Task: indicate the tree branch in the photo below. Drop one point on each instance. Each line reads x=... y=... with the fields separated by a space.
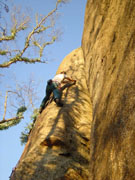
x=35 y=30
x=5 y=124
x=14 y=32
x=20 y=59
x=11 y=119
x=40 y=27
x=5 y=105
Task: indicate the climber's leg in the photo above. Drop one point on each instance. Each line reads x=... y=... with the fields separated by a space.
x=57 y=97
x=44 y=101
x=58 y=102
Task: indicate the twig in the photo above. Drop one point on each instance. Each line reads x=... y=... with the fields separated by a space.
x=5 y=105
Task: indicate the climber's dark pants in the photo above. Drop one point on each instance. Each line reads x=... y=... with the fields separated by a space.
x=44 y=101
x=58 y=102
x=58 y=93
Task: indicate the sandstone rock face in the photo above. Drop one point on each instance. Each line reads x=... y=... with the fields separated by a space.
x=58 y=146
x=104 y=67
x=108 y=45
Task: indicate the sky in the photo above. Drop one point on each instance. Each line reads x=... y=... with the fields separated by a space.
x=71 y=21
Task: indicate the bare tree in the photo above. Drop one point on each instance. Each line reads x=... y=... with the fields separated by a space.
x=43 y=24
x=17 y=101
x=39 y=37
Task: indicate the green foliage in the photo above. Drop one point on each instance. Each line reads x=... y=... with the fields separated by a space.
x=14 y=121
x=3 y=53
x=21 y=110
x=35 y=114
x=8 y=124
x=54 y=38
x=25 y=134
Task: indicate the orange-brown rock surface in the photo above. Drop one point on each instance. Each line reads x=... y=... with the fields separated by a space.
x=80 y=141
x=58 y=146
x=109 y=51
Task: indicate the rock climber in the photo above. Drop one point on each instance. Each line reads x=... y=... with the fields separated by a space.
x=54 y=85
x=62 y=78
x=50 y=87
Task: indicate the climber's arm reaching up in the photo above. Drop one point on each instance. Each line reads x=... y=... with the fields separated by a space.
x=67 y=79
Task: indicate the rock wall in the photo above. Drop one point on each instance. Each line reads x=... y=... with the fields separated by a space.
x=58 y=146
x=108 y=45
x=81 y=141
